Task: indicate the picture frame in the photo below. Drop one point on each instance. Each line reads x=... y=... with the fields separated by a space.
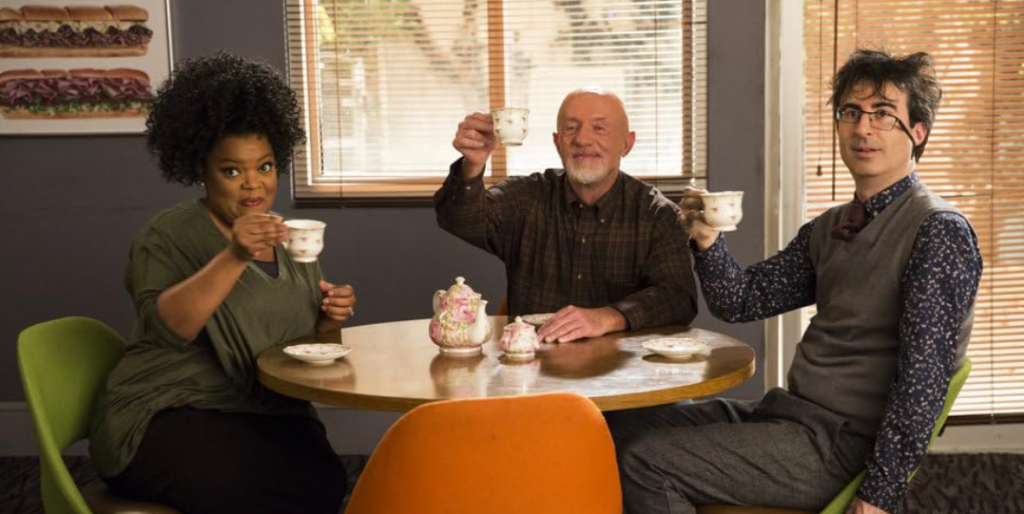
x=81 y=67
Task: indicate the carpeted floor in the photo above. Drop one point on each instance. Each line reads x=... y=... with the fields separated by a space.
x=19 y=480
x=986 y=483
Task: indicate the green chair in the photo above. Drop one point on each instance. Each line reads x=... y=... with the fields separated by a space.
x=839 y=504
x=63 y=364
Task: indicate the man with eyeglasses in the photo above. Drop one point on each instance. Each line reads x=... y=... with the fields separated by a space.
x=893 y=275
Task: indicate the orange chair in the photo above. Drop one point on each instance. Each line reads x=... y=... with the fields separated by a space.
x=542 y=453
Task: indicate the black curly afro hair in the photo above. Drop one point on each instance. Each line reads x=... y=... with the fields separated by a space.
x=208 y=98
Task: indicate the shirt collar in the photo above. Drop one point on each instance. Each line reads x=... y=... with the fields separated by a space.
x=876 y=204
x=606 y=205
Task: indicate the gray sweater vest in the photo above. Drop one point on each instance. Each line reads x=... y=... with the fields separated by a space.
x=847 y=359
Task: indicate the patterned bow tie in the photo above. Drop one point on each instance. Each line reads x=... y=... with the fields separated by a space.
x=854 y=222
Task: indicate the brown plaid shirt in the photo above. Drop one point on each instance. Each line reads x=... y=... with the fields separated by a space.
x=627 y=251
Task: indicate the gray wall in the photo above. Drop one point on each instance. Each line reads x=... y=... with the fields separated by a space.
x=73 y=204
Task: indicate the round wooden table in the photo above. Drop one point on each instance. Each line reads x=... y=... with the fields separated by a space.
x=395 y=366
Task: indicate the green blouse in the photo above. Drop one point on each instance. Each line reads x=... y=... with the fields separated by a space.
x=160 y=370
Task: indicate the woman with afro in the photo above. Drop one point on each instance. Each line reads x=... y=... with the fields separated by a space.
x=183 y=420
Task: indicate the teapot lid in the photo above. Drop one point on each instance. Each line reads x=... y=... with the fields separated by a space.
x=519 y=324
x=460 y=289
x=519 y=321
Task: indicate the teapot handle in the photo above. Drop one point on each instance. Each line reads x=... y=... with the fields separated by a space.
x=437 y=300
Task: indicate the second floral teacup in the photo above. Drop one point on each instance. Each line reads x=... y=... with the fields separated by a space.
x=724 y=210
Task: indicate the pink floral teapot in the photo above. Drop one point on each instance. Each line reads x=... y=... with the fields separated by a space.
x=519 y=340
x=460 y=324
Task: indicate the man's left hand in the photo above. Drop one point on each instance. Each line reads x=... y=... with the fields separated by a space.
x=859 y=506
x=572 y=323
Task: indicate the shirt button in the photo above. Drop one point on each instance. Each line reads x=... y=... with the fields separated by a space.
x=584 y=240
x=579 y=276
x=468 y=188
x=602 y=220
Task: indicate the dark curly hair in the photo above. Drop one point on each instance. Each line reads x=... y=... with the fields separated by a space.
x=208 y=98
x=912 y=74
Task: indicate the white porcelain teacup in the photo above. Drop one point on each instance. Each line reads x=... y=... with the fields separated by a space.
x=305 y=239
x=510 y=125
x=723 y=210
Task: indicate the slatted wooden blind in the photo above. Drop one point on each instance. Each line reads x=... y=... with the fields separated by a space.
x=974 y=158
x=384 y=84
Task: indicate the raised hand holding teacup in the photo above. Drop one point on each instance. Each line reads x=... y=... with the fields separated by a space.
x=705 y=214
x=253 y=235
x=475 y=140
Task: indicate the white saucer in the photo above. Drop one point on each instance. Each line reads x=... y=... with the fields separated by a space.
x=675 y=347
x=538 y=319
x=520 y=356
x=462 y=350
x=320 y=354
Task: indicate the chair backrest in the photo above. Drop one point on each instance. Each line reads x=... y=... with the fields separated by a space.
x=540 y=453
x=840 y=502
x=63 y=364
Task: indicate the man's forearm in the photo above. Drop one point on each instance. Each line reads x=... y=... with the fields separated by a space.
x=663 y=304
x=460 y=207
x=779 y=284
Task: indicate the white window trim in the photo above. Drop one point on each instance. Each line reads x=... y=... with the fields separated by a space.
x=784 y=178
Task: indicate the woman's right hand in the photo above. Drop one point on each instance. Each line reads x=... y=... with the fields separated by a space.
x=253 y=234
x=474 y=139
x=691 y=218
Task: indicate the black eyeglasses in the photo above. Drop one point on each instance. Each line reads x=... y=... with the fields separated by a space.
x=880 y=120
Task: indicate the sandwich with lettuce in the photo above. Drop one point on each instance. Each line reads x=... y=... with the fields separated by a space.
x=30 y=94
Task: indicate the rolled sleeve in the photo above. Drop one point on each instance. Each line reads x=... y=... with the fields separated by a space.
x=151 y=270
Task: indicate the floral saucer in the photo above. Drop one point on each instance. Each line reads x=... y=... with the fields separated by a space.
x=320 y=354
x=675 y=347
x=538 y=319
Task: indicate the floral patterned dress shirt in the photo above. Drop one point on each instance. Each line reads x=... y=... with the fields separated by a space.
x=939 y=286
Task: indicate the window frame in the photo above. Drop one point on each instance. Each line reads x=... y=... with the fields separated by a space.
x=308 y=191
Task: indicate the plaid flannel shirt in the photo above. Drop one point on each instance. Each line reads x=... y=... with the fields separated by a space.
x=626 y=251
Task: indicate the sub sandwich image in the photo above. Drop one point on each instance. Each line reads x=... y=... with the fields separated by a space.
x=74 y=31
x=80 y=93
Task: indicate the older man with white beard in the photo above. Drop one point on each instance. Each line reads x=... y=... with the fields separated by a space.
x=593 y=245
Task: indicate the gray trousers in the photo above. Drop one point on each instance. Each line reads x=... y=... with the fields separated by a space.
x=780 y=452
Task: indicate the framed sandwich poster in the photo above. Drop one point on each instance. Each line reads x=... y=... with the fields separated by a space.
x=81 y=66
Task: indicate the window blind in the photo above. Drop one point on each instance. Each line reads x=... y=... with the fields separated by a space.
x=974 y=157
x=384 y=84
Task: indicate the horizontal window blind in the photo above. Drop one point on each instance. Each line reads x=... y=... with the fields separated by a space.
x=974 y=157
x=384 y=84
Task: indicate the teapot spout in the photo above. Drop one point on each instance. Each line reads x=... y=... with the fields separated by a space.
x=480 y=331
